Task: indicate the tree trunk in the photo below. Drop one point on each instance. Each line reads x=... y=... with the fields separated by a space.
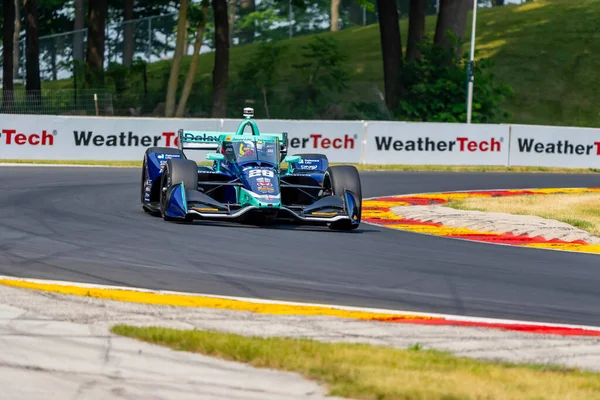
x=95 y=42
x=452 y=17
x=16 y=41
x=221 y=67
x=416 y=28
x=53 y=66
x=79 y=25
x=33 y=83
x=247 y=35
x=128 y=39
x=191 y=75
x=174 y=76
x=335 y=15
x=391 y=48
x=231 y=14
x=8 y=30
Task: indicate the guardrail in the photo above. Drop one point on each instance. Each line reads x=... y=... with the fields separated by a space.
x=357 y=142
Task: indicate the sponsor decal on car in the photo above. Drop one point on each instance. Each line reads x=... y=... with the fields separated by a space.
x=202 y=138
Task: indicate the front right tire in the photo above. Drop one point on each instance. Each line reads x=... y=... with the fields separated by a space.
x=338 y=179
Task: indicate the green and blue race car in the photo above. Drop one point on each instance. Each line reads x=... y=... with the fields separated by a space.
x=246 y=181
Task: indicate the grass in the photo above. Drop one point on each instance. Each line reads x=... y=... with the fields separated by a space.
x=580 y=210
x=372 y=372
x=361 y=167
x=547 y=50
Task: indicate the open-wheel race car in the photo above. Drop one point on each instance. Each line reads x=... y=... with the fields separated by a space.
x=246 y=181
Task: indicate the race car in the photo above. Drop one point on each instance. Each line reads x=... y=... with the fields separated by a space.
x=246 y=181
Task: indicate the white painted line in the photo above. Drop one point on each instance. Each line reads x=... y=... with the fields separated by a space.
x=449 y=317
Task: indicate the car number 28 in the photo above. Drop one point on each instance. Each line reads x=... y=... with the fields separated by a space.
x=261 y=172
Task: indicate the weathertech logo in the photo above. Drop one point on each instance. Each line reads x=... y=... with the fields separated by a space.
x=461 y=144
x=11 y=137
x=558 y=147
x=317 y=141
x=89 y=138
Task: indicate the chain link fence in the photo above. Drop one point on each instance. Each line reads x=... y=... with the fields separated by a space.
x=137 y=42
x=57 y=102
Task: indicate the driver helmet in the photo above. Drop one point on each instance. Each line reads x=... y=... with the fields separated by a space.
x=247 y=148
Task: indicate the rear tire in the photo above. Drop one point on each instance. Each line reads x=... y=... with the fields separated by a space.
x=176 y=171
x=341 y=178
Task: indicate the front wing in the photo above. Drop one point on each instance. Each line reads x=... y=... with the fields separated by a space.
x=187 y=205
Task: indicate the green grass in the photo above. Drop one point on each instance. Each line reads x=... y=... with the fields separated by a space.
x=361 y=167
x=374 y=372
x=548 y=51
x=581 y=210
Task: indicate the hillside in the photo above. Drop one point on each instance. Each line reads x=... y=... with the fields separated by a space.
x=548 y=51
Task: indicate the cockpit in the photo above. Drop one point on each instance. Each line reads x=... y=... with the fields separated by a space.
x=251 y=150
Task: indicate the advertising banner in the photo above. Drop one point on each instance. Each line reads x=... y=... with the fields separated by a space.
x=91 y=138
x=545 y=146
x=33 y=137
x=436 y=144
x=340 y=141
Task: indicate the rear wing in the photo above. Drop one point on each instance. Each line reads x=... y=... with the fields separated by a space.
x=209 y=140
x=198 y=140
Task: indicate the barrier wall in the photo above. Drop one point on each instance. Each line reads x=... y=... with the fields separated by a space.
x=104 y=138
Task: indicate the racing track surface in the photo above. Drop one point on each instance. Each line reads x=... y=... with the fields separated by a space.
x=86 y=225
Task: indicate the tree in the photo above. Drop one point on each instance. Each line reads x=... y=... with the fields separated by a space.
x=416 y=28
x=78 y=26
x=33 y=83
x=391 y=47
x=179 y=44
x=335 y=15
x=221 y=66
x=128 y=38
x=97 y=12
x=232 y=11
x=191 y=75
x=16 y=39
x=246 y=33
x=8 y=28
x=453 y=18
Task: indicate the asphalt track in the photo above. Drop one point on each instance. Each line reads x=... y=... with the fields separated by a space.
x=86 y=225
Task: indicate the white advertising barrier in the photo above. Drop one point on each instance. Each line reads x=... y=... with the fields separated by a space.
x=436 y=144
x=548 y=146
x=340 y=141
x=92 y=138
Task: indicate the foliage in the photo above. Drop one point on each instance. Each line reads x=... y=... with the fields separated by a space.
x=435 y=88
x=259 y=76
x=322 y=73
x=127 y=82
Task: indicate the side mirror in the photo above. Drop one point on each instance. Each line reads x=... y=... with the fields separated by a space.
x=292 y=159
x=215 y=156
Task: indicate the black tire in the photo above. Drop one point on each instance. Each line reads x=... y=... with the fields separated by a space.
x=176 y=171
x=340 y=178
x=164 y=150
